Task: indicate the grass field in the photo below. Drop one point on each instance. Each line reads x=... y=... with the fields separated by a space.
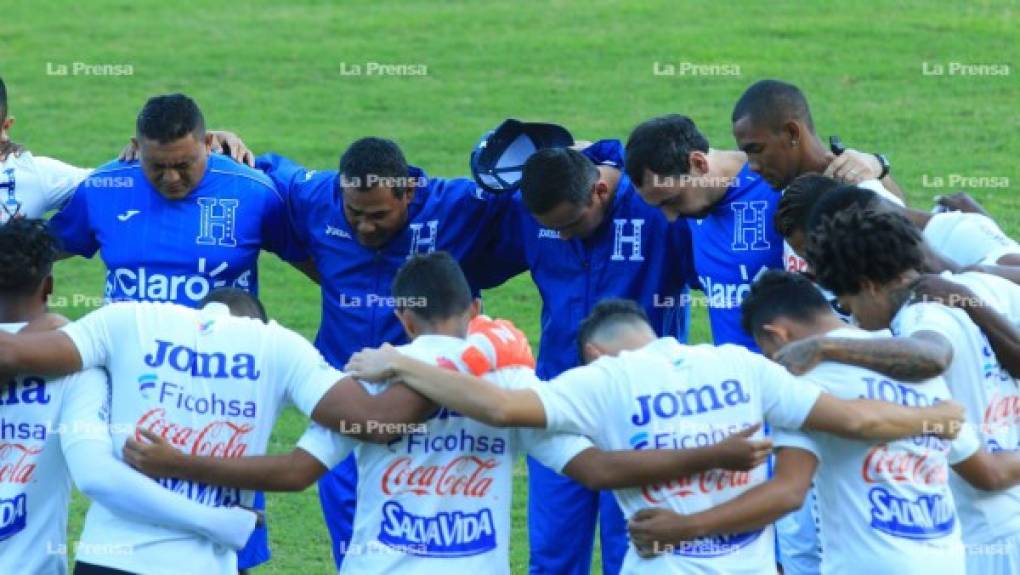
x=279 y=73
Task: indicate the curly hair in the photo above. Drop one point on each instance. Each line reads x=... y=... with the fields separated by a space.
x=27 y=253
x=857 y=245
x=798 y=200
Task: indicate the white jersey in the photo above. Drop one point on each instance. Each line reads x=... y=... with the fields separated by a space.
x=1001 y=294
x=992 y=403
x=40 y=418
x=968 y=238
x=437 y=500
x=31 y=185
x=888 y=506
x=211 y=384
x=671 y=396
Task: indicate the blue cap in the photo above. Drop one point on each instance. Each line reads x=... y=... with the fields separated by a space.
x=498 y=159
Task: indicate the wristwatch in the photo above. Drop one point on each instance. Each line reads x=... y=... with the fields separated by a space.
x=884 y=162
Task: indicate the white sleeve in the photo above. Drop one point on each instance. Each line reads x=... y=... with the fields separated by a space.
x=306 y=375
x=920 y=317
x=786 y=400
x=59 y=180
x=877 y=187
x=581 y=399
x=93 y=334
x=88 y=450
x=328 y=447
x=966 y=444
x=799 y=439
x=553 y=450
x=967 y=239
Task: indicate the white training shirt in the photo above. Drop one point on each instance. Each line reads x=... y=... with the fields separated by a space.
x=211 y=384
x=1001 y=294
x=968 y=239
x=437 y=500
x=992 y=403
x=888 y=507
x=671 y=396
x=31 y=185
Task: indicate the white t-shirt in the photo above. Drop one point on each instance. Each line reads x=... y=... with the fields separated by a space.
x=968 y=239
x=211 y=384
x=39 y=419
x=992 y=402
x=437 y=500
x=888 y=506
x=31 y=185
x=999 y=293
x=671 y=396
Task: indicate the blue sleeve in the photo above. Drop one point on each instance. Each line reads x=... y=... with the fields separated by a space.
x=288 y=177
x=73 y=227
x=279 y=234
x=501 y=253
x=683 y=253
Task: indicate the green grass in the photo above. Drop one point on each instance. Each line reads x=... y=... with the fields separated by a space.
x=271 y=71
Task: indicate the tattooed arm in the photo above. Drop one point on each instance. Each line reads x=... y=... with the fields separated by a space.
x=921 y=356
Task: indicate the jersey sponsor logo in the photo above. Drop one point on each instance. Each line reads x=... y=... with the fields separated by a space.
x=1002 y=414
x=27 y=390
x=217 y=222
x=128 y=215
x=463 y=476
x=925 y=517
x=215 y=365
x=145 y=284
x=13 y=516
x=893 y=464
x=336 y=232
x=716 y=545
x=211 y=495
x=218 y=438
x=706 y=483
x=459 y=442
x=993 y=372
x=11 y=205
x=22 y=430
x=688 y=402
x=722 y=295
x=446 y=534
x=749 y=223
x=16 y=462
x=175 y=395
x=422 y=243
x=892 y=392
x=546 y=233
x=621 y=238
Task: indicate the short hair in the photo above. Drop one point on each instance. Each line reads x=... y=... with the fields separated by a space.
x=3 y=99
x=799 y=199
x=169 y=118
x=857 y=245
x=772 y=103
x=552 y=176
x=778 y=293
x=369 y=162
x=838 y=200
x=662 y=146
x=27 y=252
x=241 y=303
x=609 y=314
x=432 y=286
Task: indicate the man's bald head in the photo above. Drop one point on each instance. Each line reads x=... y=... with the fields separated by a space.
x=771 y=104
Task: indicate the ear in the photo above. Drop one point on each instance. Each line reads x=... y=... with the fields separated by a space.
x=409 y=194
x=208 y=141
x=476 y=308
x=775 y=334
x=406 y=318
x=601 y=191
x=591 y=353
x=793 y=132
x=698 y=162
x=8 y=122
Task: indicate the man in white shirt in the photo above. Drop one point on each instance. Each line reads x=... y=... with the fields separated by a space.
x=437 y=497
x=887 y=507
x=53 y=430
x=871 y=260
x=663 y=395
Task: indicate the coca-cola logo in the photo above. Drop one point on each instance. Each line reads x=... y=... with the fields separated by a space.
x=16 y=464
x=891 y=465
x=463 y=476
x=1003 y=411
x=712 y=481
x=219 y=438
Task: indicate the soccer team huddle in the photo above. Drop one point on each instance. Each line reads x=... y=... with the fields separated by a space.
x=858 y=411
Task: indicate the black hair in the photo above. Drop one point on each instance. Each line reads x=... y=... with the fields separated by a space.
x=169 y=118
x=432 y=286
x=662 y=146
x=838 y=200
x=27 y=253
x=241 y=303
x=552 y=176
x=778 y=293
x=606 y=314
x=772 y=103
x=856 y=245
x=3 y=100
x=371 y=162
x=798 y=200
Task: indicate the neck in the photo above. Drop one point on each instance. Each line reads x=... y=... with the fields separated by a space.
x=450 y=327
x=19 y=310
x=611 y=176
x=725 y=166
x=901 y=290
x=816 y=156
x=917 y=217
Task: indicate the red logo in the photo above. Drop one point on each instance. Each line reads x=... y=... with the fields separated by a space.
x=712 y=481
x=464 y=476
x=216 y=439
x=15 y=462
x=884 y=466
x=1002 y=412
